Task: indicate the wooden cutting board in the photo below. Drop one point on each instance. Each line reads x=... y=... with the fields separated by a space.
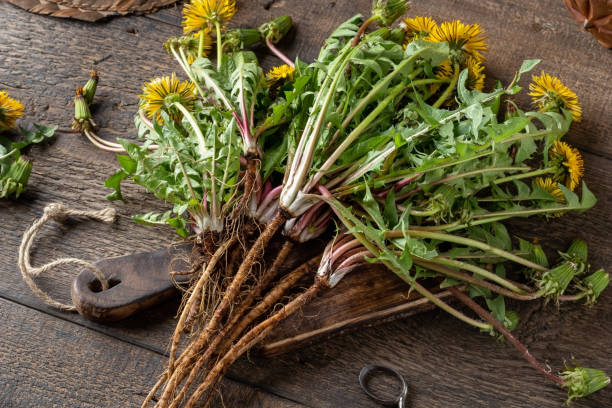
x=367 y=296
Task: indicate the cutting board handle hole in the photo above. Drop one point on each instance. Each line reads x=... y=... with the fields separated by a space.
x=95 y=285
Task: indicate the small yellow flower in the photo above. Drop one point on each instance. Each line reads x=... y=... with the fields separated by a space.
x=10 y=110
x=162 y=92
x=463 y=40
x=418 y=28
x=549 y=93
x=198 y=14
x=280 y=73
x=569 y=163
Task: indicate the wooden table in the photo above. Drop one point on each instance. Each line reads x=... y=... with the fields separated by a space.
x=54 y=359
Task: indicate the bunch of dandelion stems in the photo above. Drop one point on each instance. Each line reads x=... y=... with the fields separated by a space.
x=294 y=199
x=257 y=248
x=237 y=324
x=369 y=245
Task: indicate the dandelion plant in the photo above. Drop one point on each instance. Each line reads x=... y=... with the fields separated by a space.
x=391 y=136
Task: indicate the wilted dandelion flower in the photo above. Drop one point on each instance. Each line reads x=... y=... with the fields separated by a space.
x=549 y=93
x=463 y=40
x=162 y=92
x=569 y=163
x=10 y=110
x=418 y=28
x=198 y=14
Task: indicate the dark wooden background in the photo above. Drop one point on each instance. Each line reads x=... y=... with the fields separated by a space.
x=49 y=358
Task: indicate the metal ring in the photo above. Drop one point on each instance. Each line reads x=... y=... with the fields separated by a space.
x=363 y=381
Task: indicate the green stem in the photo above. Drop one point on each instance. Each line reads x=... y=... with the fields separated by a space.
x=427 y=81
x=434 y=266
x=450 y=89
x=508 y=214
x=503 y=215
x=473 y=173
x=219 y=45
x=8 y=154
x=201 y=42
x=572 y=298
x=465 y=241
x=358 y=131
x=453 y=263
x=547 y=170
x=423 y=213
x=182 y=60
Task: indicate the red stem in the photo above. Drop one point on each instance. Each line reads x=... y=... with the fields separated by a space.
x=279 y=54
x=509 y=336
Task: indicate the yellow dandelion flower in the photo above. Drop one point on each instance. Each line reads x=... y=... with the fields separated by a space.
x=280 y=73
x=549 y=93
x=418 y=28
x=10 y=110
x=550 y=186
x=162 y=92
x=475 y=79
x=464 y=40
x=198 y=14
x=569 y=163
x=444 y=70
x=475 y=75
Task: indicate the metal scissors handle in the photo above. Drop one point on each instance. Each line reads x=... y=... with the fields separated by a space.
x=366 y=374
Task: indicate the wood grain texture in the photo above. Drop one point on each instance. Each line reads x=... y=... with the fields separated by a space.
x=49 y=362
x=446 y=363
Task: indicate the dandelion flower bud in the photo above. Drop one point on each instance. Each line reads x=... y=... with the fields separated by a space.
x=276 y=29
x=581 y=381
x=387 y=11
x=91 y=85
x=594 y=284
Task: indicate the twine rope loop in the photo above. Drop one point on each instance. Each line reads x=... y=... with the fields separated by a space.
x=59 y=213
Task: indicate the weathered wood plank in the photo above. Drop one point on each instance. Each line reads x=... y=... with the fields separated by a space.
x=446 y=363
x=49 y=362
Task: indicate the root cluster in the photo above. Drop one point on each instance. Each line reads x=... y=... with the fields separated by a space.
x=231 y=305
